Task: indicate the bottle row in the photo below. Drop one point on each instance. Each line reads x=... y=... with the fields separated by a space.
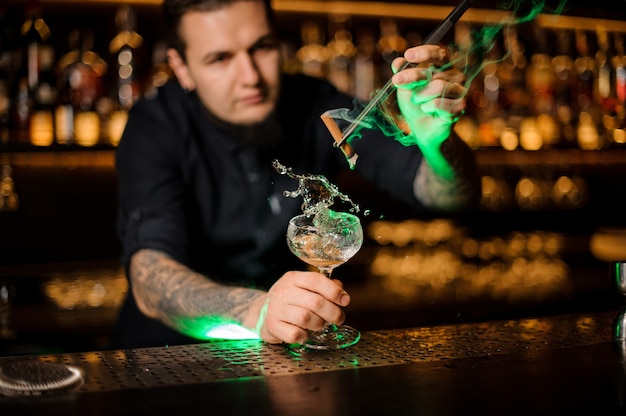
x=569 y=91
x=80 y=96
x=527 y=86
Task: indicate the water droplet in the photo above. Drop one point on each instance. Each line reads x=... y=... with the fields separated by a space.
x=316 y=191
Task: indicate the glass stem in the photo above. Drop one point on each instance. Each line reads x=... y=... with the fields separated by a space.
x=328 y=327
x=326 y=271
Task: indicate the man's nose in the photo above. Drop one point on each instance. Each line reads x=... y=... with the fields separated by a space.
x=249 y=70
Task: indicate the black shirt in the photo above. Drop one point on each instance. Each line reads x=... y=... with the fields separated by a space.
x=188 y=189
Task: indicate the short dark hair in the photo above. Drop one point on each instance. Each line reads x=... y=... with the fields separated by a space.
x=175 y=9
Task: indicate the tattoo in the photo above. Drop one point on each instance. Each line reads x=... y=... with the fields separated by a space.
x=173 y=293
x=460 y=192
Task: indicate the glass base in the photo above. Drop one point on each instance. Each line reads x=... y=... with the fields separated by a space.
x=332 y=337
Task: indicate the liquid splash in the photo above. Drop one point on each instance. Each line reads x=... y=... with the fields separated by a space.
x=317 y=192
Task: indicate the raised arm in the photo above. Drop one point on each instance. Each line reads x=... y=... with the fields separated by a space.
x=431 y=97
x=449 y=193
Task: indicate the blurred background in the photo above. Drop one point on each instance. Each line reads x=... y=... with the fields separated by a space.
x=546 y=119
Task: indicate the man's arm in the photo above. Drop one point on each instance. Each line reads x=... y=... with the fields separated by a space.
x=185 y=300
x=461 y=190
x=192 y=304
x=431 y=97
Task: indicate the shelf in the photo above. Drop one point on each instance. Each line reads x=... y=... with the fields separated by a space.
x=554 y=158
x=67 y=158
x=487 y=158
x=398 y=10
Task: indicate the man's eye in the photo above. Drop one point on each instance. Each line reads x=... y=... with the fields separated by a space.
x=219 y=59
x=266 y=44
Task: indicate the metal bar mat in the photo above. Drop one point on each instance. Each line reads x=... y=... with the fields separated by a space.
x=224 y=360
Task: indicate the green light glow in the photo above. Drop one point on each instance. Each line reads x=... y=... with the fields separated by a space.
x=230 y=331
x=214 y=328
x=618 y=330
x=617 y=273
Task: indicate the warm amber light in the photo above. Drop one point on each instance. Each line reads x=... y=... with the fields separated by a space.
x=87 y=128
x=117 y=123
x=509 y=139
x=41 y=129
x=64 y=124
x=588 y=137
x=530 y=138
x=519 y=267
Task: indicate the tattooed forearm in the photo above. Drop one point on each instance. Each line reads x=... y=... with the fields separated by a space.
x=167 y=290
x=460 y=192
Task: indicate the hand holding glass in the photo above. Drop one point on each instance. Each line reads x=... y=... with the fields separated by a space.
x=327 y=241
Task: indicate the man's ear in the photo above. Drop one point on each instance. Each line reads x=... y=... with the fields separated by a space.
x=180 y=69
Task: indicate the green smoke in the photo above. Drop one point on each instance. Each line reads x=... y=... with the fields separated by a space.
x=471 y=60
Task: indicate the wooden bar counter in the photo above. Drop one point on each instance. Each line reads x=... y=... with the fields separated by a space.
x=556 y=365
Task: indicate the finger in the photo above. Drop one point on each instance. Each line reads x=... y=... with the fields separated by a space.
x=307 y=309
x=413 y=77
x=423 y=54
x=286 y=321
x=338 y=282
x=429 y=99
x=313 y=309
x=443 y=89
x=276 y=331
x=444 y=107
x=397 y=63
x=449 y=75
x=435 y=54
x=322 y=285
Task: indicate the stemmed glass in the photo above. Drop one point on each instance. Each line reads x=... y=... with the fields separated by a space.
x=326 y=240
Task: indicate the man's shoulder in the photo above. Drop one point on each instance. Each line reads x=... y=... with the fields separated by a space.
x=312 y=94
x=169 y=103
x=298 y=83
x=158 y=121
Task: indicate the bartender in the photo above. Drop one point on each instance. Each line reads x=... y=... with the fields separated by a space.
x=202 y=216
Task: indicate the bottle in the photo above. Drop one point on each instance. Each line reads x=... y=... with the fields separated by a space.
x=564 y=86
x=515 y=97
x=341 y=51
x=482 y=124
x=619 y=65
x=605 y=81
x=8 y=57
x=68 y=77
x=491 y=119
x=124 y=47
x=35 y=34
x=83 y=69
x=589 y=114
x=540 y=80
x=41 y=123
x=606 y=86
x=313 y=55
x=160 y=72
x=5 y=105
x=9 y=199
x=64 y=111
x=391 y=45
x=365 y=68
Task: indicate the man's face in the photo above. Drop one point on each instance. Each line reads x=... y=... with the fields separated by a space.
x=233 y=61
